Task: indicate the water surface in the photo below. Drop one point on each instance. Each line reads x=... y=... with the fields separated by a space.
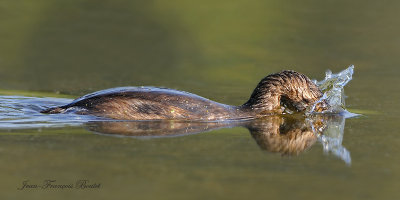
x=219 y=50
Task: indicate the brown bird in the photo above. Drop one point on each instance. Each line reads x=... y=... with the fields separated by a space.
x=275 y=94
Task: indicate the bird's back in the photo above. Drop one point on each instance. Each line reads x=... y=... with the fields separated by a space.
x=148 y=103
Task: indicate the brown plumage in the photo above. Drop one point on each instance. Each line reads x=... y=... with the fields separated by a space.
x=287 y=90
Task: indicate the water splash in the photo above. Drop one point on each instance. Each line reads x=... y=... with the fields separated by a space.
x=333 y=88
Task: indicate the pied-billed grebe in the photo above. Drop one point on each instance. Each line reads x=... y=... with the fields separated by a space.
x=275 y=93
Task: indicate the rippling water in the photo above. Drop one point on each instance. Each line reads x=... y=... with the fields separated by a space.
x=19 y=112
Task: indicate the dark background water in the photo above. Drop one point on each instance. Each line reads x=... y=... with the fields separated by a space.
x=219 y=50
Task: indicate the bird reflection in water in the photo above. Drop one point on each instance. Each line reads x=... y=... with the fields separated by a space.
x=286 y=135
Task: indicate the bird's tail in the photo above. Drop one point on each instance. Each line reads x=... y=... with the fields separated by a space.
x=53 y=110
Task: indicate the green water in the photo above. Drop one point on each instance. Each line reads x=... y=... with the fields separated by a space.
x=216 y=49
